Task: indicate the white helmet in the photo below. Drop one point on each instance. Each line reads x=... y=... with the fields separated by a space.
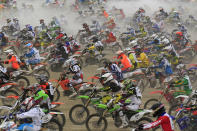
x=180 y=66
x=9 y=51
x=154 y=36
x=106 y=77
x=133 y=43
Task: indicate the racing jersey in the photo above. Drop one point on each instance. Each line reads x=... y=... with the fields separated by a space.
x=164 y=120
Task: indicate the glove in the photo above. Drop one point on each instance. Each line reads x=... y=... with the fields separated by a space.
x=140 y=127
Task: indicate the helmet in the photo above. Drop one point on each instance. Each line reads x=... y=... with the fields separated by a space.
x=106 y=78
x=9 y=51
x=161 y=56
x=168 y=48
x=8 y=20
x=158 y=109
x=85 y=25
x=73 y=62
x=95 y=39
x=42 y=78
x=129 y=85
x=15 y=19
x=154 y=36
x=119 y=52
x=134 y=43
x=94 y=21
x=180 y=66
x=41 y=20
x=160 y=8
x=29 y=45
x=190 y=16
x=34 y=88
x=179 y=24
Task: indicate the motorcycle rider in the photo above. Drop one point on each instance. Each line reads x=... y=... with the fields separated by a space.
x=132 y=58
x=36 y=113
x=43 y=26
x=110 y=37
x=98 y=44
x=166 y=66
x=86 y=30
x=13 y=60
x=16 y=24
x=77 y=78
x=33 y=56
x=39 y=98
x=109 y=83
x=114 y=69
x=3 y=39
x=163 y=14
x=10 y=25
x=30 y=34
x=46 y=86
x=62 y=50
x=131 y=92
x=142 y=58
x=163 y=119
x=184 y=81
x=110 y=24
x=74 y=45
x=124 y=60
x=4 y=76
x=95 y=27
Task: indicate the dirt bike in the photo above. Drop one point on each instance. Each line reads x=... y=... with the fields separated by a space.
x=188 y=100
x=23 y=99
x=91 y=58
x=82 y=88
x=39 y=68
x=113 y=109
x=49 y=124
x=77 y=57
x=81 y=111
x=7 y=90
x=168 y=93
x=188 y=53
x=185 y=119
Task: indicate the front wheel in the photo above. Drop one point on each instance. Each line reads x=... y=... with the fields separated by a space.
x=172 y=110
x=78 y=114
x=116 y=48
x=102 y=62
x=149 y=103
x=22 y=81
x=96 y=123
x=56 y=95
x=53 y=125
x=59 y=117
x=43 y=72
x=9 y=97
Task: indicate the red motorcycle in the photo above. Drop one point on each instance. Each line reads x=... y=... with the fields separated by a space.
x=63 y=82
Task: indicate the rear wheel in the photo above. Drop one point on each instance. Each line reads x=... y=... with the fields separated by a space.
x=56 y=95
x=96 y=123
x=78 y=114
x=53 y=125
x=9 y=100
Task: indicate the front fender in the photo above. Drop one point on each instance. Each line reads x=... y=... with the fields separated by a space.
x=83 y=97
x=156 y=92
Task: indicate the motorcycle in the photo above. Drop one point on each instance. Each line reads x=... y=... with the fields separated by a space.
x=113 y=109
